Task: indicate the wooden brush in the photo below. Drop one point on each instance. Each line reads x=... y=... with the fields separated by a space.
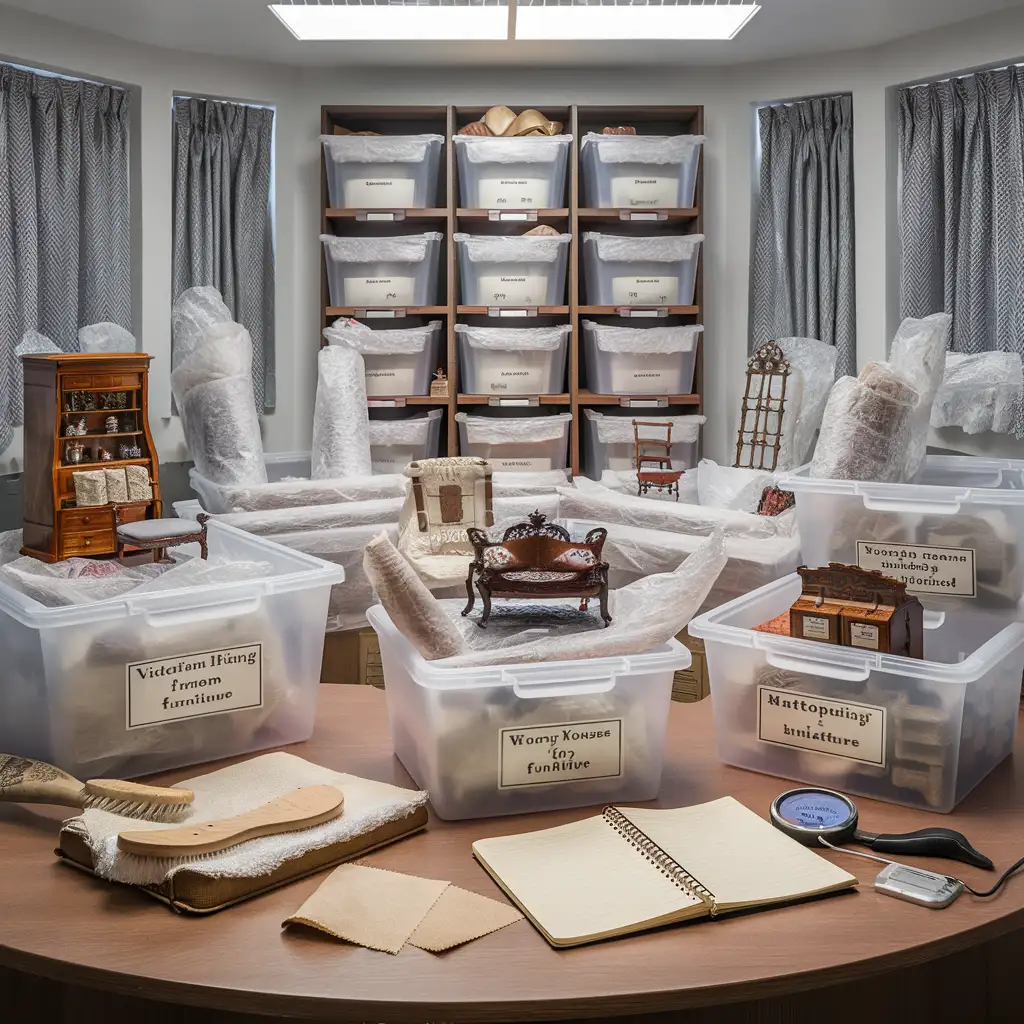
x=25 y=781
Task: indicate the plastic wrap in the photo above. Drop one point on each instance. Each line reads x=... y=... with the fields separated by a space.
x=106 y=337
x=74 y=580
x=193 y=312
x=32 y=343
x=623 y=481
x=515 y=485
x=636 y=249
x=405 y=341
x=341 y=421
x=530 y=149
x=630 y=340
x=393 y=249
x=642 y=149
x=518 y=339
x=511 y=248
x=979 y=392
x=727 y=487
x=514 y=430
x=814 y=365
x=379 y=149
x=411 y=431
x=315 y=517
x=619 y=429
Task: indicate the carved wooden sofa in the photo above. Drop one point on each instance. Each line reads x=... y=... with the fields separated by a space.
x=537 y=559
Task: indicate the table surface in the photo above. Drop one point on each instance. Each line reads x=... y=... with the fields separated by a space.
x=65 y=925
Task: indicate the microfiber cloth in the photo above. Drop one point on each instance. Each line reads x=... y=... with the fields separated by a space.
x=236 y=790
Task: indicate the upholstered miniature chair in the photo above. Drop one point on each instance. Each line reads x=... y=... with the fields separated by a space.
x=158 y=534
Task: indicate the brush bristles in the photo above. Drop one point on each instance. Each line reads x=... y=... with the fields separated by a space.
x=135 y=870
x=147 y=811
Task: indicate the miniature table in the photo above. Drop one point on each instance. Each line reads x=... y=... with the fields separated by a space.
x=75 y=949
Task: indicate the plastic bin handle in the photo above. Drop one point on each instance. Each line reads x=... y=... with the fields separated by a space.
x=532 y=681
x=919 y=507
x=209 y=612
x=791 y=663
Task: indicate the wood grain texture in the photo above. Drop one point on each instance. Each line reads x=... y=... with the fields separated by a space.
x=863 y=948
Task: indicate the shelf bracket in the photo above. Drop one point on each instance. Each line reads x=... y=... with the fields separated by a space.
x=522 y=401
x=530 y=215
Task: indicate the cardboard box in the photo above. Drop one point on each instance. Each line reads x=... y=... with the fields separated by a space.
x=691 y=684
x=352 y=657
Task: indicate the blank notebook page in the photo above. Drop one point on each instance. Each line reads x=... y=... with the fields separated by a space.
x=740 y=857
x=581 y=879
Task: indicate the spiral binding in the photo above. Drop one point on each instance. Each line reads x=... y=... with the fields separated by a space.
x=666 y=864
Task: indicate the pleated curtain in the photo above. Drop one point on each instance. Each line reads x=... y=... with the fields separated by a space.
x=223 y=231
x=65 y=215
x=802 y=276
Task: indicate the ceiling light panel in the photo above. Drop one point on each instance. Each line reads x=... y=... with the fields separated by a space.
x=396 y=20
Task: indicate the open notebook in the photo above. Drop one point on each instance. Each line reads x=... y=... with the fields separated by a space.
x=633 y=868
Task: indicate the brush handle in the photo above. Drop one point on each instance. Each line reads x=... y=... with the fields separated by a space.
x=25 y=781
x=136 y=792
x=302 y=808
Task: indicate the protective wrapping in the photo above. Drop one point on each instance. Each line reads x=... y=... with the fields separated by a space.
x=979 y=392
x=32 y=343
x=405 y=341
x=275 y=522
x=193 y=312
x=511 y=249
x=642 y=149
x=394 y=249
x=74 y=580
x=619 y=429
x=106 y=337
x=633 y=249
x=529 y=149
x=623 y=481
x=341 y=421
x=379 y=149
x=516 y=485
x=813 y=364
x=519 y=339
x=639 y=340
x=514 y=430
x=727 y=487
x=213 y=391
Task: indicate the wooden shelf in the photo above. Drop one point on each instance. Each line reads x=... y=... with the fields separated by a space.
x=109 y=464
x=590 y=398
x=376 y=401
x=523 y=216
x=541 y=399
x=381 y=216
x=640 y=216
x=83 y=437
x=106 y=412
x=485 y=310
x=408 y=310
x=639 y=311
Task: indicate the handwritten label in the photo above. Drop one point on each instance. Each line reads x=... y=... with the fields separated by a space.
x=384 y=376
x=514 y=465
x=193 y=685
x=513 y=289
x=513 y=192
x=648 y=373
x=633 y=191
x=814 y=627
x=842 y=728
x=385 y=190
x=642 y=291
x=925 y=569
x=864 y=635
x=514 y=373
x=562 y=752
x=389 y=459
x=388 y=291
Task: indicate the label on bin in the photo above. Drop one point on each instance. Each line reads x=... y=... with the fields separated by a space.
x=384 y=379
x=513 y=192
x=387 y=291
x=517 y=465
x=842 y=728
x=631 y=192
x=193 y=685
x=374 y=193
x=642 y=291
x=562 y=752
x=925 y=569
x=514 y=289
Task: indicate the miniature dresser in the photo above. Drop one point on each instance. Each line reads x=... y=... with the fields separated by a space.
x=83 y=413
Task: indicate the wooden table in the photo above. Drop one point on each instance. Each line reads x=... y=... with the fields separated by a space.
x=72 y=948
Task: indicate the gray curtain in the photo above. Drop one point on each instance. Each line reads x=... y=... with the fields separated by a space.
x=802 y=276
x=223 y=232
x=65 y=215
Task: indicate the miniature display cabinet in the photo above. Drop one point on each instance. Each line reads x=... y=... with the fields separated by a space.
x=70 y=403
x=654 y=459
x=538 y=559
x=852 y=607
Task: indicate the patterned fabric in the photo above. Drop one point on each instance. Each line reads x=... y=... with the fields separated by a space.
x=65 y=215
x=539 y=576
x=223 y=234
x=499 y=558
x=962 y=208
x=576 y=559
x=802 y=283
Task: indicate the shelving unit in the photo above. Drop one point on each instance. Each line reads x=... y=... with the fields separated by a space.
x=446 y=216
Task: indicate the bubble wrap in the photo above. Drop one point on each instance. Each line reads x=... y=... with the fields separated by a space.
x=406 y=341
x=510 y=430
x=919 y=353
x=619 y=429
x=341 y=421
x=642 y=149
x=383 y=149
x=528 y=149
x=193 y=312
x=813 y=363
x=730 y=488
x=511 y=249
x=865 y=427
x=394 y=249
x=633 y=249
x=32 y=343
x=979 y=392
x=630 y=340
x=518 y=339
x=106 y=337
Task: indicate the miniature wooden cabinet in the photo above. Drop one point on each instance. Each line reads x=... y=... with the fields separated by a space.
x=69 y=400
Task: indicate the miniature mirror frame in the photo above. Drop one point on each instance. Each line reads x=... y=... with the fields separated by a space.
x=759 y=439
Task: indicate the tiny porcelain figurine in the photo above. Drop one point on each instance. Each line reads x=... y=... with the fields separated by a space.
x=111 y=423
x=439 y=385
x=71 y=430
x=106 y=455
x=75 y=453
x=130 y=451
x=83 y=427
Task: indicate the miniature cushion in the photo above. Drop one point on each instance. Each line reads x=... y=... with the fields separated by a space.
x=539 y=576
x=577 y=559
x=501 y=558
x=158 y=529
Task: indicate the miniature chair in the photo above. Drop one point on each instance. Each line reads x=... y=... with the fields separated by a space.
x=655 y=452
x=157 y=535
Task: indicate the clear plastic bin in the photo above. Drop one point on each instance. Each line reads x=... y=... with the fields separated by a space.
x=956 y=537
x=392 y=271
x=395 y=443
x=399 y=362
x=512 y=360
x=516 y=444
x=512 y=271
x=610 y=440
x=112 y=688
x=622 y=270
x=513 y=739
x=369 y=172
x=512 y=174
x=640 y=361
x=921 y=733
x=636 y=172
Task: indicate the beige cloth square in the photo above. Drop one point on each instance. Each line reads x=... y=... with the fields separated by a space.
x=117 y=485
x=139 y=488
x=460 y=916
x=90 y=487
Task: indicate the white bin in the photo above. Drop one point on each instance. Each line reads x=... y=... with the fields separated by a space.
x=922 y=733
x=393 y=271
x=91 y=688
x=514 y=271
x=474 y=738
x=640 y=361
x=400 y=362
x=396 y=443
x=369 y=172
x=623 y=270
x=512 y=174
x=516 y=444
x=610 y=440
x=636 y=172
x=512 y=360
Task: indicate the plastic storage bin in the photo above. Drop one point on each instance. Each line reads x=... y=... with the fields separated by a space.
x=512 y=174
x=639 y=361
x=512 y=739
x=610 y=440
x=512 y=361
x=396 y=443
x=922 y=733
x=399 y=362
x=636 y=172
x=623 y=270
x=516 y=444
x=388 y=171
x=112 y=688
x=394 y=271
x=510 y=271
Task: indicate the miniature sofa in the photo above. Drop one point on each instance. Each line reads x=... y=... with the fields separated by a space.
x=537 y=559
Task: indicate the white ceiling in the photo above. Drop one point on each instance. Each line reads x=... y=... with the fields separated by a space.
x=245 y=28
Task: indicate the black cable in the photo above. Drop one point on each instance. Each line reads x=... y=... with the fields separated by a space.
x=999 y=884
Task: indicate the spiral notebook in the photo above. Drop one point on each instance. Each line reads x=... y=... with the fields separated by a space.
x=633 y=868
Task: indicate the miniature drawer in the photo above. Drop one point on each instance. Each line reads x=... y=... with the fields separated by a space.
x=90 y=381
x=127 y=380
x=133 y=513
x=100 y=542
x=87 y=520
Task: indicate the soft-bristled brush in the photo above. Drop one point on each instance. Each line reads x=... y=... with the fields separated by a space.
x=25 y=781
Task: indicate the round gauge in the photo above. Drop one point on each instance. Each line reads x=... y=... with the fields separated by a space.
x=805 y=814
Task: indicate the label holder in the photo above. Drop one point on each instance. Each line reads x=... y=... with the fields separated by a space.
x=635 y=215
x=385 y=403
x=517 y=311
x=512 y=215
x=642 y=311
x=396 y=313
x=389 y=216
x=521 y=401
x=660 y=402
